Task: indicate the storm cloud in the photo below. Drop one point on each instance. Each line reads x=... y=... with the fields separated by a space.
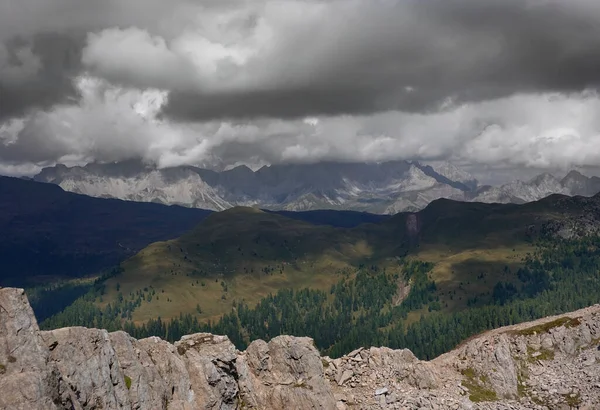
x=292 y=59
x=507 y=83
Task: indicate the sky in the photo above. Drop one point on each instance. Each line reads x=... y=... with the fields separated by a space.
x=498 y=86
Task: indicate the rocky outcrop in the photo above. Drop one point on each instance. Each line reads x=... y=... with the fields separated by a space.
x=552 y=363
x=28 y=380
x=79 y=368
x=89 y=369
x=291 y=370
x=547 y=364
x=142 y=363
x=210 y=363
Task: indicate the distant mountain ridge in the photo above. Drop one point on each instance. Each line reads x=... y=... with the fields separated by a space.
x=382 y=188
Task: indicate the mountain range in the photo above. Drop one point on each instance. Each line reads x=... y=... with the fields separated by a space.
x=382 y=188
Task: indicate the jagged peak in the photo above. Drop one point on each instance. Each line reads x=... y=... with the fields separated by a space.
x=240 y=169
x=543 y=178
x=574 y=175
x=388 y=186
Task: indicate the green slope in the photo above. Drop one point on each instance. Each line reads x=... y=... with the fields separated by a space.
x=246 y=254
x=241 y=253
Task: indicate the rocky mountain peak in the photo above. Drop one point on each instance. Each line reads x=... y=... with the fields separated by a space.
x=574 y=175
x=455 y=174
x=386 y=187
x=545 y=178
x=580 y=184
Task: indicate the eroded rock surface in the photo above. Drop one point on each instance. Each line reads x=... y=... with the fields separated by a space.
x=89 y=368
x=285 y=370
x=552 y=363
x=80 y=368
x=27 y=379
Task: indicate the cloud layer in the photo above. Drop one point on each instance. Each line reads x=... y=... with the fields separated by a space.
x=507 y=83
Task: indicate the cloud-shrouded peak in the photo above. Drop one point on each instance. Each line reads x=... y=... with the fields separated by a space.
x=496 y=84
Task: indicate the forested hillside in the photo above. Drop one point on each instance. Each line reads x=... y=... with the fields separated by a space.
x=560 y=276
x=424 y=281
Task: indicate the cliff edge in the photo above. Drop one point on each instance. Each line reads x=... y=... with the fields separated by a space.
x=551 y=363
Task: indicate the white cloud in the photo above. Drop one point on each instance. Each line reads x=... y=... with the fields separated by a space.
x=112 y=123
x=211 y=50
x=136 y=54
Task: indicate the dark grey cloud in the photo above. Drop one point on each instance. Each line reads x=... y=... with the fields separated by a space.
x=442 y=51
x=57 y=59
x=509 y=82
x=54 y=33
x=316 y=99
x=297 y=58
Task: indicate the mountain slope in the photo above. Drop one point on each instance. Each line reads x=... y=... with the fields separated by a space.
x=241 y=253
x=245 y=254
x=578 y=184
x=47 y=231
x=50 y=233
x=455 y=174
x=340 y=219
x=132 y=182
x=521 y=192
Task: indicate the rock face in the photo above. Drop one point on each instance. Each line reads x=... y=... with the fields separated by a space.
x=27 y=378
x=291 y=369
x=80 y=368
x=89 y=368
x=551 y=363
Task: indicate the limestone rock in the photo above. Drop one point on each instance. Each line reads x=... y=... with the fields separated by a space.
x=379 y=392
x=210 y=362
x=27 y=381
x=172 y=370
x=146 y=387
x=549 y=363
x=90 y=369
x=343 y=376
x=492 y=360
x=286 y=373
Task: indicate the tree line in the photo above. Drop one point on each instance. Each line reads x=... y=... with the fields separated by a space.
x=560 y=276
